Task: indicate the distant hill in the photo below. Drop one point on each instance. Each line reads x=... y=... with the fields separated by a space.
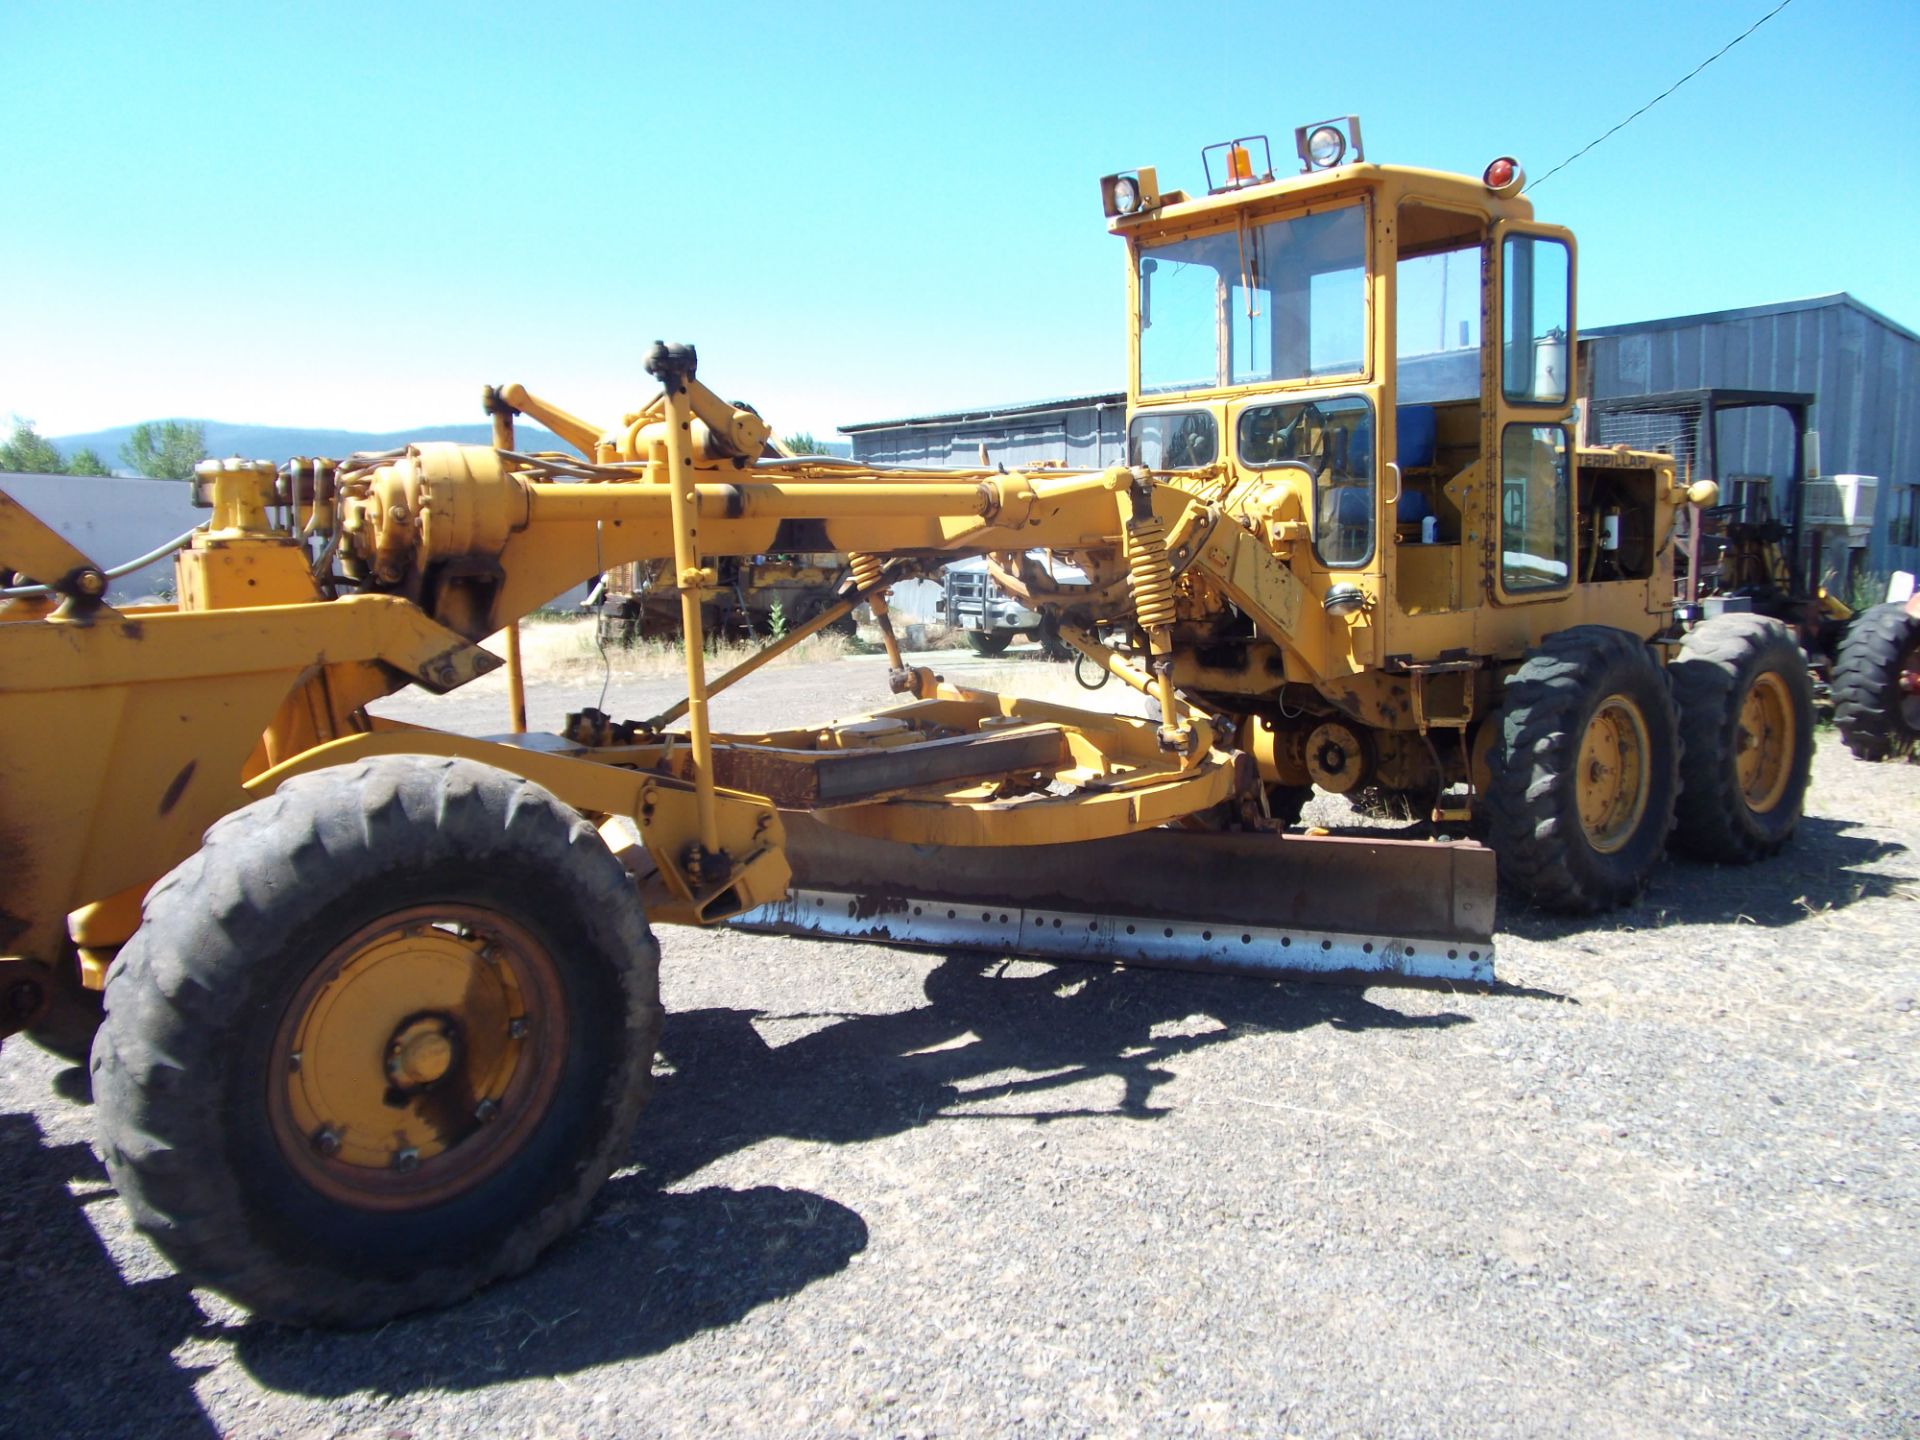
x=278 y=442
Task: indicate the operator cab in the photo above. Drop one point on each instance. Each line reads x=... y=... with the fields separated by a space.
x=1330 y=324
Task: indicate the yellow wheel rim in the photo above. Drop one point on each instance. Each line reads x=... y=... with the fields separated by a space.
x=1763 y=743
x=417 y=1056
x=1613 y=774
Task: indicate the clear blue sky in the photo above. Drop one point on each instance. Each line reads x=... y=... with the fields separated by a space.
x=355 y=215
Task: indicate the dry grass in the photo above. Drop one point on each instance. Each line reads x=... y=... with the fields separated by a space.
x=569 y=649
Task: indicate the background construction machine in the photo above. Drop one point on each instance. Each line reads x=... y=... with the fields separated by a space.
x=381 y=1001
x=750 y=596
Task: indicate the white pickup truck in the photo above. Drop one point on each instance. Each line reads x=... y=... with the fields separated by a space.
x=991 y=618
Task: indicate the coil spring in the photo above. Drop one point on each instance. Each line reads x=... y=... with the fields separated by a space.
x=1151 y=572
x=866 y=570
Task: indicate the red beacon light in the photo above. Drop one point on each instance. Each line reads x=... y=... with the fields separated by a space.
x=1504 y=176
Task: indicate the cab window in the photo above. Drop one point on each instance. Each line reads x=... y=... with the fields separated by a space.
x=1537 y=276
x=1332 y=440
x=1536 y=548
x=1275 y=300
x=1173 y=439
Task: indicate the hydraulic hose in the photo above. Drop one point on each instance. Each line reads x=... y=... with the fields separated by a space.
x=179 y=542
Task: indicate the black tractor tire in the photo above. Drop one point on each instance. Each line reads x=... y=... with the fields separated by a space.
x=1746 y=708
x=989 y=642
x=224 y=1004
x=73 y=1016
x=1875 y=717
x=1581 y=687
x=618 y=625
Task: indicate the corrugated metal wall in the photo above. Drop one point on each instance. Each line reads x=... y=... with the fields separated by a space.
x=1863 y=371
x=1083 y=434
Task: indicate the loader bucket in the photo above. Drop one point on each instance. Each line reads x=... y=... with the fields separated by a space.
x=1283 y=906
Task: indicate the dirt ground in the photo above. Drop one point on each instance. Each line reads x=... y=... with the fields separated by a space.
x=1663 y=1180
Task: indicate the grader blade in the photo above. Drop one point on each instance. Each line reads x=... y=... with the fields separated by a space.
x=1292 y=906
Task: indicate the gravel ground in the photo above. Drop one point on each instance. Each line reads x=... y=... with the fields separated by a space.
x=1664 y=1181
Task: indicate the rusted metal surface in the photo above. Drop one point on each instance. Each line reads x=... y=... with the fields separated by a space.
x=1316 y=907
x=817 y=779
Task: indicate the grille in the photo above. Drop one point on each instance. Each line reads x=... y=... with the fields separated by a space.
x=966 y=589
x=1671 y=427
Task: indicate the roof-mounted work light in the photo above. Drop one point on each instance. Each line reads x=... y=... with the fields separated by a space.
x=1328 y=143
x=1130 y=192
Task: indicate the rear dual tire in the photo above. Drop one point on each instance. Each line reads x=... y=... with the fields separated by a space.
x=1589 y=772
x=1746 y=708
x=1585 y=770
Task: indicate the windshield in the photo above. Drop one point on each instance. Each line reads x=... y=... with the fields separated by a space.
x=1172 y=440
x=1283 y=300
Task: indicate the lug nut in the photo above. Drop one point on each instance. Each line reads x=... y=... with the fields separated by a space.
x=406 y=1160
x=327 y=1141
x=486 y=1110
x=517 y=1027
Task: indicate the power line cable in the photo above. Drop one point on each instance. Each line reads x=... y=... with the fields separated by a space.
x=1663 y=94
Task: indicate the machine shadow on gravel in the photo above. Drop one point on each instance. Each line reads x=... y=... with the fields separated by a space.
x=1822 y=869
x=652 y=1267
x=647 y=1271
x=992 y=1029
x=93 y=1353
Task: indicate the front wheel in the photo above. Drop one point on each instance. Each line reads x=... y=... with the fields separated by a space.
x=989 y=642
x=377 y=1043
x=1746 y=708
x=1584 y=771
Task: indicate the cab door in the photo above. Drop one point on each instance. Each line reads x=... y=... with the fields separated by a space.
x=1530 y=387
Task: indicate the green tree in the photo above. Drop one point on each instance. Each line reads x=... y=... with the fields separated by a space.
x=804 y=444
x=166 y=449
x=84 y=462
x=28 y=454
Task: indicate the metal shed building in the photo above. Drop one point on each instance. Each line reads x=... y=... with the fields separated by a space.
x=1085 y=432
x=1863 y=369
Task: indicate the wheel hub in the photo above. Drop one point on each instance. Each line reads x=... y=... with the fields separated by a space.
x=1613 y=774
x=1764 y=743
x=1334 y=757
x=416 y=1055
x=422 y=1052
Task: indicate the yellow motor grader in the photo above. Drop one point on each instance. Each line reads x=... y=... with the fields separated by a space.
x=381 y=1001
